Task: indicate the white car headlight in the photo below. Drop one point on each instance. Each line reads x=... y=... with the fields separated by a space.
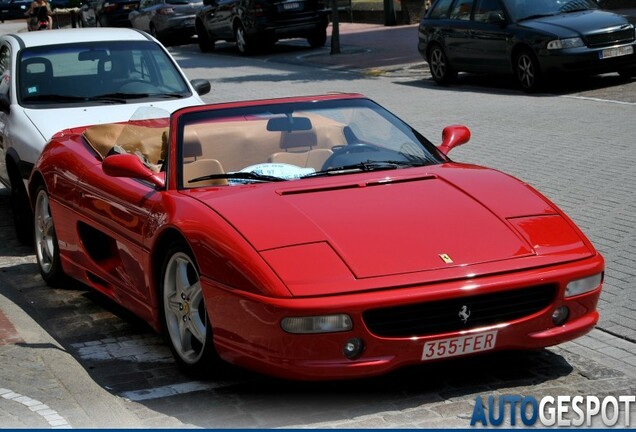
x=581 y=286
x=317 y=324
x=565 y=43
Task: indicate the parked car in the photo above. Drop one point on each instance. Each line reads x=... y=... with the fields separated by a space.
x=316 y=237
x=255 y=24
x=114 y=13
x=530 y=38
x=74 y=77
x=14 y=9
x=166 y=19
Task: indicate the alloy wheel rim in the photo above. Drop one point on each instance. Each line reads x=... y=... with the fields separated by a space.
x=240 y=39
x=184 y=309
x=526 y=71
x=438 y=64
x=44 y=233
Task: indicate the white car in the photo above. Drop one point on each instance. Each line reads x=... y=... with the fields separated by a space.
x=55 y=80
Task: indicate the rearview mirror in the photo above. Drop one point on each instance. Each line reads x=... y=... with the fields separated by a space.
x=288 y=124
x=129 y=165
x=453 y=136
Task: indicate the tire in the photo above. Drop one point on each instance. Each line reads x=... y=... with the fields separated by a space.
x=206 y=44
x=186 y=324
x=528 y=71
x=441 y=70
x=22 y=213
x=47 y=251
x=318 y=38
x=243 y=42
x=627 y=74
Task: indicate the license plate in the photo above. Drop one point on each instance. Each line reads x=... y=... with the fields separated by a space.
x=291 y=6
x=616 y=52
x=455 y=346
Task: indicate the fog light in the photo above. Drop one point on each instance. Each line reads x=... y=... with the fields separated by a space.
x=353 y=348
x=560 y=315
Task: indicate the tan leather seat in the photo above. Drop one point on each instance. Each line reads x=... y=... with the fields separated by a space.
x=300 y=151
x=200 y=168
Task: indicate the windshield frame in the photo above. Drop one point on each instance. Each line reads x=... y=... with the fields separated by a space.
x=239 y=111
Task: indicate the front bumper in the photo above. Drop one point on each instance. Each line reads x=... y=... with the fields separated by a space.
x=247 y=329
x=586 y=60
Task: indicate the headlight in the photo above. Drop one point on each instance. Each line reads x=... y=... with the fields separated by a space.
x=565 y=43
x=581 y=286
x=317 y=324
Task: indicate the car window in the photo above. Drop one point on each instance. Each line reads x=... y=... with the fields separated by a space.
x=487 y=10
x=295 y=140
x=97 y=73
x=522 y=9
x=461 y=9
x=440 y=9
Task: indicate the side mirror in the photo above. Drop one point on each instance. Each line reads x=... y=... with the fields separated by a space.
x=129 y=165
x=453 y=136
x=201 y=86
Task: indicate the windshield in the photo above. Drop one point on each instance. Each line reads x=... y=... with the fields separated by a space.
x=97 y=73
x=526 y=9
x=292 y=141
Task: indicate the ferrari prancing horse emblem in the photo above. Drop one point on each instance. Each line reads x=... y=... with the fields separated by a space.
x=446 y=258
x=464 y=313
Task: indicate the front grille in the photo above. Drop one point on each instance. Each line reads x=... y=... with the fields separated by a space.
x=444 y=316
x=612 y=38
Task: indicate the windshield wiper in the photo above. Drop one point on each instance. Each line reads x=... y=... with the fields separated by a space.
x=54 y=98
x=118 y=97
x=366 y=166
x=238 y=175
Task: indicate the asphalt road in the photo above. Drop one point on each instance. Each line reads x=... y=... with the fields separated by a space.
x=573 y=142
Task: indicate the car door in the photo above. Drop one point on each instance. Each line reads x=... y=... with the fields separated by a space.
x=141 y=17
x=490 y=38
x=218 y=18
x=457 y=35
x=115 y=213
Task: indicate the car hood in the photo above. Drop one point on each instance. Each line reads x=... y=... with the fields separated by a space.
x=50 y=121
x=576 y=23
x=370 y=226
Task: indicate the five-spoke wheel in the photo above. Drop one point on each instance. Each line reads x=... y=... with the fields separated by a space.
x=184 y=314
x=46 y=248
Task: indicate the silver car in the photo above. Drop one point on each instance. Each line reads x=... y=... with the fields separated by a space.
x=167 y=20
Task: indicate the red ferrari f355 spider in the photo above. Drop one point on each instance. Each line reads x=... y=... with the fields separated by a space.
x=310 y=238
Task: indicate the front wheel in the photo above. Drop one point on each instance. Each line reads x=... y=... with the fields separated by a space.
x=206 y=43
x=22 y=214
x=184 y=314
x=243 y=42
x=441 y=70
x=318 y=38
x=528 y=71
x=47 y=251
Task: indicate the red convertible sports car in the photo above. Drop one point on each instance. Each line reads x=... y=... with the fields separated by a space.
x=309 y=238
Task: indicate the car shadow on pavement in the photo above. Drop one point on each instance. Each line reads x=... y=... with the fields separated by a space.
x=557 y=86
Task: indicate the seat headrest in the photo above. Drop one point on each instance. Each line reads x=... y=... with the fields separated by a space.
x=296 y=139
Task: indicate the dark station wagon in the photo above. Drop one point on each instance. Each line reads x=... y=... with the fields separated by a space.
x=530 y=38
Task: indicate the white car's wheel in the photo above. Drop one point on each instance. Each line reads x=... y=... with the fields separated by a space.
x=47 y=251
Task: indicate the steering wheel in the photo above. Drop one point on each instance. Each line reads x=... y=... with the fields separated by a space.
x=354 y=150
